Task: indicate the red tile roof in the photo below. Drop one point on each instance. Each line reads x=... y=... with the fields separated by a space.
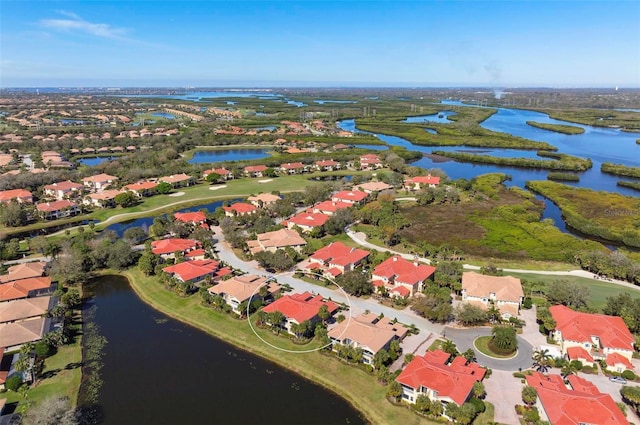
x=55 y=206
x=578 y=353
x=24 y=271
x=175 y=178
x=100 y=178
x=220 y=171
x=577 y=326
x=584 y=404
x=241 y=208
x=403 y=291
x=454 y=381
x=255 y=168
x=300 y=307
x=349 y=196
x=191 y=217
x=425 y=180
x=193 y=269
x=327 y=163
x=8 y=195
x=20 y=288
x=404 y=271
x=339 y=254
x=64 y=186
x=136 y=187
x=292 y=165
x=169 y=246
x=615 y=358
x=309 y=219
x=331 y=206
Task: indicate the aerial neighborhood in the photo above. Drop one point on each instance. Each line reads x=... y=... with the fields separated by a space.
x=325 y=246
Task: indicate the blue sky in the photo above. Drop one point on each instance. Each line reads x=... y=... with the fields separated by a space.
x=320 y=43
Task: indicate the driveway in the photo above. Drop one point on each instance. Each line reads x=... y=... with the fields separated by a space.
x=464 y=338
x=504 y=392
x=358 y=305
x=612 y=388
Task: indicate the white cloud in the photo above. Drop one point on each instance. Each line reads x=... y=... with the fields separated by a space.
x=76 y=23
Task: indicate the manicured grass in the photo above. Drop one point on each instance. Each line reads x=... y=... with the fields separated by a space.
x=355 y=385
x=486 y=417
x=600 y=290
x=482 y=345
x=63 y=374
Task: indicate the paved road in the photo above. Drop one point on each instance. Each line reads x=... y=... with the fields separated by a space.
x=464 y=340
x=358 y=305
x=361 y=239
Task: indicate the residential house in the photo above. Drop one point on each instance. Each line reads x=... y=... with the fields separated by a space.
x=196 y=271
x=402 y=278
x=142 y=189
x=58 y=209
x=292 y=168
x=279 y=239
x=104 y=199
x=26 y=288
x=26 y=308
x=239 y=208
x=166 y=248
x=330 y=207
x=14 y=335
x=99 y=182
x=63 y=190
x=577 y=403
x=368 y=332
x=24 y=271
x=222 y=172
x=255 y=170
x=420 y=182
x=306 y=221
x=353 y=197
x=239 y=289
x=178 y=180
x=327 y=165
x=336 y=259
x=580 y=354
x=298 y=308
x=433 y=376
x=370 y=161
x=263 y=199
x=502 y=292
x=373 y=187
x=21 y=196
x=196 y=218
x=600 y=335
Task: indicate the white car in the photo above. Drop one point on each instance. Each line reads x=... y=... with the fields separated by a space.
x=618 y=379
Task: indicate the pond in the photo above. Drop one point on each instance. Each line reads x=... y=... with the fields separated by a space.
x=96 y=160
x=224 y=155
x=160 y=371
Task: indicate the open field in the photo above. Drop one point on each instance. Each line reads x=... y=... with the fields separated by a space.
x=355 y=385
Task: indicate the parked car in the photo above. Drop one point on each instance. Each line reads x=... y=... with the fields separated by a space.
x=618 y=379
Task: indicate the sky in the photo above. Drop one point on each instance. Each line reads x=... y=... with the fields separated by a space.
x=430 y=43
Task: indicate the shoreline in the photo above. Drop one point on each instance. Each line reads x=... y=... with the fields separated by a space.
x=362 y=404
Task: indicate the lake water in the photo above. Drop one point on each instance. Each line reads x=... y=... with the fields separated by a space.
x=440 y=117
x=322 y=102
x=160 y=371
x=92 y=162
x=145 y=222
x=223 y=155
x=200 y=96
x=163 y=115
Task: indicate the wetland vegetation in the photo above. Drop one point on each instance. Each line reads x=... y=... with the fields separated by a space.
x=559 y=128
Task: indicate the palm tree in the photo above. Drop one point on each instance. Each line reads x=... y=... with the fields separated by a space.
x=449 y=346
x=541 y=360
x=323 y=313
x=493 y=313
x=569 y=368
x=504 y=337
x=261 y=317
x=469 y=355
x=277 y=319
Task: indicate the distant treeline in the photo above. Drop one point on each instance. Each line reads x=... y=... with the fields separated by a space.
x=563 y=162
x=620 y=170
x=558 y=128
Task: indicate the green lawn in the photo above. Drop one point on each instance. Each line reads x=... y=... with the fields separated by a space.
x=482 y=345
x=486 y=417
x=62 y=373
x=600 y=290
x=355 y=385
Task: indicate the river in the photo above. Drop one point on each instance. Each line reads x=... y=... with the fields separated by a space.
x=160 y=371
